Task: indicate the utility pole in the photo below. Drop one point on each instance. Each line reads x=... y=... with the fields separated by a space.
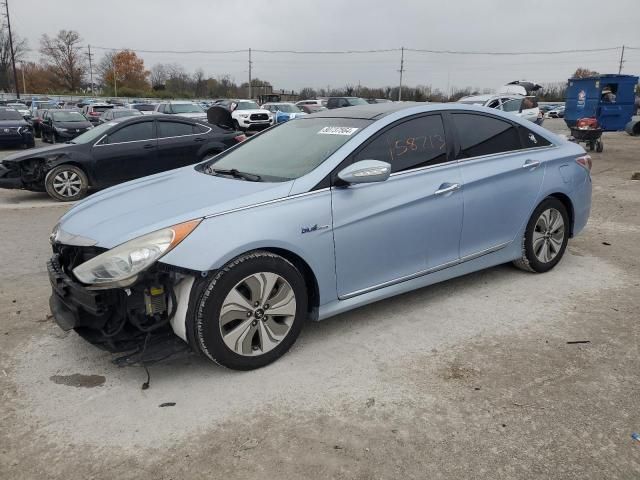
x=401 y=72
x=13 y=55
x=250 y=62
x=621 y=61
x=115 y=79
x=90 y=69
x=24 y=84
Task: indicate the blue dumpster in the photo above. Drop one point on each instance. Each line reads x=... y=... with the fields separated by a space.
x=609 y=98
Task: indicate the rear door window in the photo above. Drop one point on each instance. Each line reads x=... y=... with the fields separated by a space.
x=132 y=133
x=484 y=135
x=174 y=129
x=418 y=142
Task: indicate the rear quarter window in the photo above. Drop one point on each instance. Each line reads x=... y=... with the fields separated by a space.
x=531 y=139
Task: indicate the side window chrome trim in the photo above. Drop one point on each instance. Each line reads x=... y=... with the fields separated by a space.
x=120 y=143
x=187 y=134
x=426 y=167
x=508 y=152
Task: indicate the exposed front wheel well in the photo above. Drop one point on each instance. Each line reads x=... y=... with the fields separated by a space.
x=566 y=201
x=304 y=268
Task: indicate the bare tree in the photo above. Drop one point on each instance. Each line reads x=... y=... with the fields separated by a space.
x=19 y=49
x=200 y=83
x=158 y=75
x=307 y=93
x=63 y=53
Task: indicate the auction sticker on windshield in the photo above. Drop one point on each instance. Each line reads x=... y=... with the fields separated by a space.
x=337 y=131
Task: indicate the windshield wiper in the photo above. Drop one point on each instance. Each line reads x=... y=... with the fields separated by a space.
x=251 y=177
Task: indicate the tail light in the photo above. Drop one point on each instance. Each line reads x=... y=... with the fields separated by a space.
x=585 y=162
x=240 y=138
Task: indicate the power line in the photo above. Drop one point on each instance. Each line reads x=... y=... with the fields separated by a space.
x=387 y=50
x=539 y=52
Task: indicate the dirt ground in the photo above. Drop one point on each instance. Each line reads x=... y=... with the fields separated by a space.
x=471 y=378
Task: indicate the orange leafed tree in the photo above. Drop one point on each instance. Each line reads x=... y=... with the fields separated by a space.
x=127 y=69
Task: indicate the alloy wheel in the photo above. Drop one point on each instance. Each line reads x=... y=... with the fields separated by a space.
x=67 y=183
x=257 y=314
x=548 y=235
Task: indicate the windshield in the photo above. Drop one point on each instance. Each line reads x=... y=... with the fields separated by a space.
x=145 y=108
x=45 y=105
x=472 y=102
x=68 y=117
x=357 y=101
x=125 y=113
x=186 y=108
x=10 y=115
x=93 y=134
x=102 y=108
x=290 y=150
x=288 y=108
x=247 y=106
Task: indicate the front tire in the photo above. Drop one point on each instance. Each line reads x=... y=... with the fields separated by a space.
x=66 y=183
x=251 y=312
x=546 y=237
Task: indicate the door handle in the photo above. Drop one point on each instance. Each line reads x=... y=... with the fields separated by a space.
x=148 y=146
x=532 y=164
x=199 y=139
x=446 y=189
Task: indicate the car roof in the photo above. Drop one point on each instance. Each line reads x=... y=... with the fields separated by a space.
x=370 y=111
x=375 y=111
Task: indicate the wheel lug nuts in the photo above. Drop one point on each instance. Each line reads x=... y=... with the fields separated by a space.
x=256 y=304
x=254 y=323
x=249 y=314
x=265 y=318
x=266 y=306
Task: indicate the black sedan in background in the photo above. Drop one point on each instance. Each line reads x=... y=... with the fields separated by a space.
x=14 y=129
x=115 y=152
x=62 y=125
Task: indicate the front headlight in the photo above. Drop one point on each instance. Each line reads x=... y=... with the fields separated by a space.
x=61 y=129
x=120 y=266
x=244 y=115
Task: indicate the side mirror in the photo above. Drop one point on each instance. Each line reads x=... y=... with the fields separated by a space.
x=365 y=171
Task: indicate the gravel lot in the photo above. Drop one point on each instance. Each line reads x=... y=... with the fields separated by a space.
x=471 y=378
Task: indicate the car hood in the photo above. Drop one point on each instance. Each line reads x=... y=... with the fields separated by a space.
x=35 y=152
x=192 y=115
x=252 y=111
x=126 y=211
x=13 y=123
x=72 y=125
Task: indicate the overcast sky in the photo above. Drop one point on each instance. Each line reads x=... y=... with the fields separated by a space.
x=490 y=25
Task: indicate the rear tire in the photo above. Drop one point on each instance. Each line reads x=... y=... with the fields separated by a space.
x=251 y=312
x=66 y=183
x=546 y=237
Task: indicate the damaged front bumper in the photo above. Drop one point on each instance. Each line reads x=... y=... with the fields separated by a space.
x=10 y=178
x=118 y=319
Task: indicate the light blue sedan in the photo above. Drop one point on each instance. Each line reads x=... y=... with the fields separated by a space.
x=313 y=218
